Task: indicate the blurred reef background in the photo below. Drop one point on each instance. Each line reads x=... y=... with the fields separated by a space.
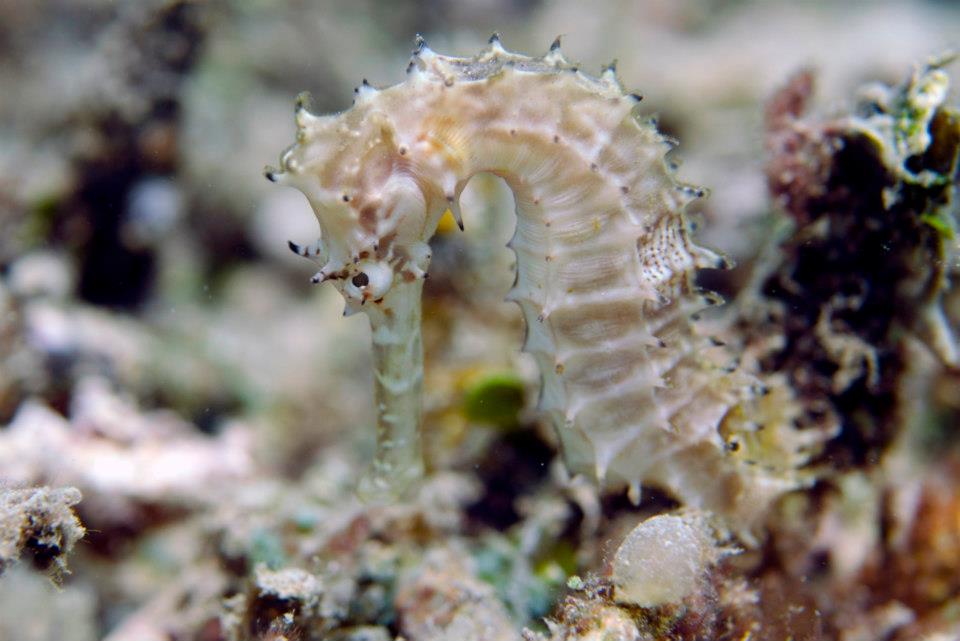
x=164 y=356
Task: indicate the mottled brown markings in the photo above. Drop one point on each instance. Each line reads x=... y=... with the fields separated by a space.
x=340 y=275
x=382 y=248
x=368 y=218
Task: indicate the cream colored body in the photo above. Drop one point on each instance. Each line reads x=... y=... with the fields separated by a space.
x=605 y=265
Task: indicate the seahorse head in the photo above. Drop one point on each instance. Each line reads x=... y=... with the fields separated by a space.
x=371 y=205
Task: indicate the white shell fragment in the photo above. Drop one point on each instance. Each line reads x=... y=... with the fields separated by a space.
x=663 y=560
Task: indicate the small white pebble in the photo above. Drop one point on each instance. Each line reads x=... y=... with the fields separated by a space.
x=41 y=273
x=663 y=560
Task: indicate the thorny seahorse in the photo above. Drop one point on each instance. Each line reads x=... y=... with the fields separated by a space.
x=605 y=268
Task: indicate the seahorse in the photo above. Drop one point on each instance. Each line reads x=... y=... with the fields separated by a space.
x=605 y=268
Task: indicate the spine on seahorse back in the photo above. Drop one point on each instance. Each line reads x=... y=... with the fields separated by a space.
x=605 y=264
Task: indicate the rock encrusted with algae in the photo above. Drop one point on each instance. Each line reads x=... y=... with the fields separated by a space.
x=871 y=198
x=39 y=523
x=445 y=601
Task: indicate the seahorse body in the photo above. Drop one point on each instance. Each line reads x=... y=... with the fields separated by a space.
x=605 y=263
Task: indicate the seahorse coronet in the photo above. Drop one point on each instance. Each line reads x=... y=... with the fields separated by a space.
x=605 y=265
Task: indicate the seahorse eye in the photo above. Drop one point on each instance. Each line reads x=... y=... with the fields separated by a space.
x=371 y=281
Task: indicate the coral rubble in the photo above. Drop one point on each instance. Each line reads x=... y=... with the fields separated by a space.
x=39 y=523
x=871 y=200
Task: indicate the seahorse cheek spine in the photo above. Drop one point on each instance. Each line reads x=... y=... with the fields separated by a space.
x=605 y=265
